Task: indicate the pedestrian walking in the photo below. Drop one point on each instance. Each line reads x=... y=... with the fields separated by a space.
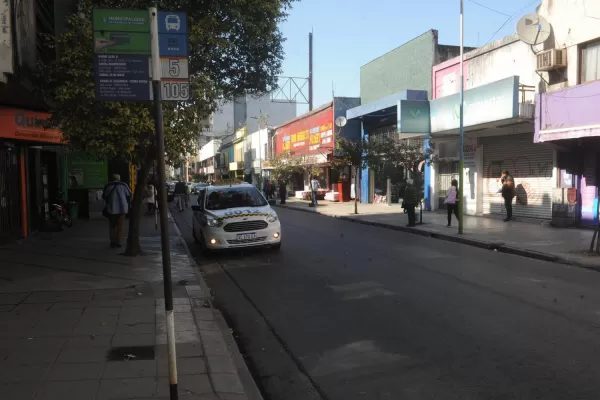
x=273 y=189
x=410 y=201
x=282 y=192
x=508 y=193
x=315 y=185
x=149 y=197
x=267 y=189
x=179 y=192
x=452 y=201
x=117 y=196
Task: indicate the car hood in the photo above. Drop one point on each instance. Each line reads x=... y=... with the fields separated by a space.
x=240 y=212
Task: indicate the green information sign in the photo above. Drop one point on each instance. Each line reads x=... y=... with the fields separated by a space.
x=86 y=171
x=122 y=43
x=121 y=20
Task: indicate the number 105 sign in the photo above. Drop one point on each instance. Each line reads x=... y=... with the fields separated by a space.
x=175 y=90
x=175 y=79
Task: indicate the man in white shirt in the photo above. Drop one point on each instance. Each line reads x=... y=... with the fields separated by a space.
x=314 y=184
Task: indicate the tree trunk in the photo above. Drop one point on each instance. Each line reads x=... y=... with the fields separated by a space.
x=356 y=190
x=135 y=214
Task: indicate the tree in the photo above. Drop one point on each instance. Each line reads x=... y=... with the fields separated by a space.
x=377 y=151
x=284 y=166
x=235 y=49
x=359 y=154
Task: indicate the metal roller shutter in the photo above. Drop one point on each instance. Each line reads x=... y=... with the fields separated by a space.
x=530 y=164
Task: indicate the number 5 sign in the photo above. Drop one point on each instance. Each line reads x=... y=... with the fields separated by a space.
x=175 y=68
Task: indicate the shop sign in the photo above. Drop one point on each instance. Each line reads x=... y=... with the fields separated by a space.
x=495 y=101
x=309 y=135
x=122 y=55
x=86 y=170
x=469 y=152
x=27 y=125
x=6 y=42
x=413 y=117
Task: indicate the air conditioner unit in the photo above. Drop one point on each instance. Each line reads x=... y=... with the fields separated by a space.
x=552 y=59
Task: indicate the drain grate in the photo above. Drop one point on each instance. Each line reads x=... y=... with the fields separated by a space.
x=133 y=353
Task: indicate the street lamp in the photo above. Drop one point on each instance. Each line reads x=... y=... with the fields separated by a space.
x=461 y=162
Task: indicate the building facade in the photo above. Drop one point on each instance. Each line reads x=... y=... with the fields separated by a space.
x=210 y=160
x=567 y=116
x=500 y=83
x=310 y=139
x=387 y=86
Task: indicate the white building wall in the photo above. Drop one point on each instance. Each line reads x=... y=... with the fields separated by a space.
x=210 y=149
x=574 y=22
x=275 y=113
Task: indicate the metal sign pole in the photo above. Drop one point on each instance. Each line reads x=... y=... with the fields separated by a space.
x=163 y=205
x=461 y=165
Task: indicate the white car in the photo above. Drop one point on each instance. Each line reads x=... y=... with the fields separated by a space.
x=234 y=216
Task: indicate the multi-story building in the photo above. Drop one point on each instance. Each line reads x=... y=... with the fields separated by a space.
x=232 y=123
x=389 y=86
x=567 y=117
x=500 y=82
x=210 y=160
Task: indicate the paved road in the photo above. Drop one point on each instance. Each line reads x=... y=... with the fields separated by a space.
x=369 y=313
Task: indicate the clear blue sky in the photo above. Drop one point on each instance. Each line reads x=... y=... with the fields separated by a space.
x=350 y=33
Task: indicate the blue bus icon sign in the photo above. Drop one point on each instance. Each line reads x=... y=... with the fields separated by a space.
x=172 y=22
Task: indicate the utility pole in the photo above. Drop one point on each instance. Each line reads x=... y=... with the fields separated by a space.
x=162 y=203
x=310 y=71
x=461 y=162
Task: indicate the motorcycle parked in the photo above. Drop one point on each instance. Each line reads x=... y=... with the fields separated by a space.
x=59 y=212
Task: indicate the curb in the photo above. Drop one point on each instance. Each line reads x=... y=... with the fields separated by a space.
x=498 y=246
x=251 y=391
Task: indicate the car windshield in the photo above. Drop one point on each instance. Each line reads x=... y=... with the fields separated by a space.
x=232 y=197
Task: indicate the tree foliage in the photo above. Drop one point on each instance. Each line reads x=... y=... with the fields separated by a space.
x=235 y=48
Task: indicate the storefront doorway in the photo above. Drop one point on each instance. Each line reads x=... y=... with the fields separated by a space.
x=10 y=195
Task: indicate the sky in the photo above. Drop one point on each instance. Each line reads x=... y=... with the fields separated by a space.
x=349 y=33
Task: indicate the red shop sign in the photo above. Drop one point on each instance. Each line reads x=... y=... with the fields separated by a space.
x=313 y=134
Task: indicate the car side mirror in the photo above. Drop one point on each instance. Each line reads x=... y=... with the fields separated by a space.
x=272 y=202
x=197 y=209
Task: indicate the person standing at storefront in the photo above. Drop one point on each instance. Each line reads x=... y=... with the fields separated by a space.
x=117 y=195
x=410 y=201
x=508 y=193
x=314 y=185
x=451 y=201
x=282 y=192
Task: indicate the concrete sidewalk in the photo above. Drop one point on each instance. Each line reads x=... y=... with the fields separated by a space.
x=535 y=240
x=80 y=321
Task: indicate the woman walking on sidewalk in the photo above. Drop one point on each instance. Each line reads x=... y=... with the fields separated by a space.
x=452 y=201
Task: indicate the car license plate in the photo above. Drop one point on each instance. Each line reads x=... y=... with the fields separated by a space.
x=246 y=236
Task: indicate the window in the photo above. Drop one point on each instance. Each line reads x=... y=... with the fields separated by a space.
x=590 y=62
x=234 y=197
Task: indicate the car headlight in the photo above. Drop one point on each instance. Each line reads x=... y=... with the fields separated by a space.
x=213 y=222
x=272 y=217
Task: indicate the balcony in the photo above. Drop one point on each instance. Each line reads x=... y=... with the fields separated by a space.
x=210 y=170
x=236 y=165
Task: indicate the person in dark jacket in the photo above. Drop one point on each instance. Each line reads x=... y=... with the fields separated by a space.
x=411 y=199
x=508 y=193
x=282 y=192
x=180 y=189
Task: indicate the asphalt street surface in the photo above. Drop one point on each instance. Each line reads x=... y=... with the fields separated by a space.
x=348 y=311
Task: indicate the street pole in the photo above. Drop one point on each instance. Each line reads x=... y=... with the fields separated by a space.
x=461 y=162
x=163 y=206
x=310 y=71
